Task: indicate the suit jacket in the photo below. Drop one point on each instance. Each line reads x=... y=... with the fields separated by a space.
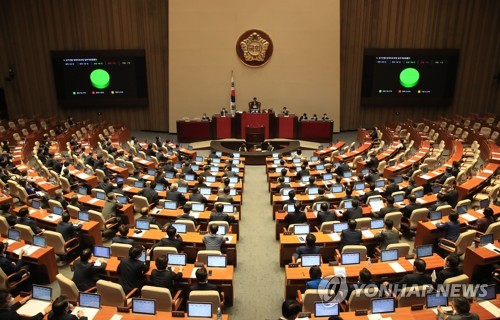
x=186 y=216
x=353 y=213
x=124 y=240
x=177 y=197
x=350 y=237
x=324 y=216
x=386 y=210
x=390 y=189
x=205 y=286
x=131 y=273
x=86 y=274
x=8 y=313
x=167 y=242
x=466 y=316
x=281 y=186
x=30 y=223
x=221 y=216
x=110 y=209
x=447 y=273
x=8 y=266
x=407 y=211
x=225 y=198
x=165 y=279
x=68 y=230
x=321 y=199
x=295 y=217
x=451 y=197
x=150 y=194
x=369 y=194
x=387 y=237
x=452 y=230
x=198 y=197
x=415 y=279
x=306 y=250
x=107 y=187
x=66 y=316
x=341 y=169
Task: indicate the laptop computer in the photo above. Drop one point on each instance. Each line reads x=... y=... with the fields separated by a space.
x=142 y=224
x=160 y=187
x=312 y=191
x=337 y=188
x=462 y=209
x=170 y=205
x=324 y=309
x=199 y=159
x=216 y=261
x=314 y=158
x=83 y=216
x=486 y=239
x=177 y=259
x=389 y=255
x=235 y=169
x=195 y=167
x=419 y=193
x=218 y=154
x=39 y=241
x=425 y=251
x=199 y=309
x=41 y=299
x=300 y=229
x=100 y=195
x=436 y=188
x=350 y=258
x=380 y=183
x=435 y=299
x=82 y=191
x=120 y=180
x=169 y=175
x=14 y=235
x=205 y=191
x=121 y=199
x=276 y=155
x=320 y=167
x=210 y=179
x=233 y=180
x=232 y=192
x=347 y=204
x=35 y=204
x=102 y=252
x=398 y=179
x=399 y=197
x=228 y=208
x=487 y=293
x=435 y=215
x=309 y=260
x=485 y=203
x=177 y=165
x=182 y=189
x=189 y=177
x=327 y=176
x=338 y=227
x=139 y=184
x=365 y=171
x=180 y=227
x=222 y=230
x=236 y=155
x=144 y=306
x=151 y=172
x=377 y=224
x=142 y=257
x=89 y=303
x=347 y=174
x=198 y=207
x=57 y=210
x=214 y=169
x=383 y=305
x=305 y=179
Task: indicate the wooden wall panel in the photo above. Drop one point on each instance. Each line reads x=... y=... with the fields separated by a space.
x=31 y=29
x=471 y=26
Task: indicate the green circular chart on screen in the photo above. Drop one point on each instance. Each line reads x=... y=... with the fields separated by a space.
x=100 y=78
x=409 y=77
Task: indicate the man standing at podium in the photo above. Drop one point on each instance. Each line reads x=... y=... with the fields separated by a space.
x=254 y=106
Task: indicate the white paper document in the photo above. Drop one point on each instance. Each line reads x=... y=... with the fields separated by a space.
x=92 y=201
x=32 y=307
x=335 y=237
x=367 y=234
x=52 y=217
x=491 y=246
x=339 y=270
x=193 y=273
x=490 y=307
x=87 y=312
x=468 y=217
x=396 y=267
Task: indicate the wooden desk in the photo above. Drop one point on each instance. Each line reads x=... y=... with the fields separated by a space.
x=477 y=183
x=406 y=165
x=474 y=259
x=323 y=153
x=296 y=278
x=222 y=277
x=44 y=259
x=107 y=313
x=193 y=242
x=81 y=176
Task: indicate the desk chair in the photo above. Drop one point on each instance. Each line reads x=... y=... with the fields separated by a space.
x=414 y=190
x=65 y=185
x=211 y=296
x=412 y=295
x=202 y=255
x=292 y=226
x=466 y=202
x=395 y=217
x=23 y=195
x=310 y=297
x=381 y=167
x=363 y=223
x=103 y=224
x=416 y=216
x=326 y=226
x=192 y=202
x=69 y=288
x=61 y=248
x=464 y=240
x=360 y=299
x=190 y=227
x=155 y=161
x=159 y=251
x=73 y=211
x=141 y=154
x=4 y=226
x=6 y=282
x=342 y=204
x=130 y=165
x=100 y=174
x=95 y=190
x=332 y=155
x=355 y=161
x=120 y=250
x=351 y=249
x=491 y=194
x=220 y=223
x=494 y=228
x=415 y=174
x=26 y=232
x=112 y=294
x=163 y=297
x=54 y=203
x=139 y=202
x=55 y=175
x=445 y=210
x=403 y=249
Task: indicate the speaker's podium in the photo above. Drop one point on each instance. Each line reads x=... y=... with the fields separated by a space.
x=255 y=135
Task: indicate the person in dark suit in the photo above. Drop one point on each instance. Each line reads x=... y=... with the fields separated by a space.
x=254 y=106
x=291 y=198
x=391 y=188
x=8 y=312
x=152 y=220
x=290 y=309
x=342 y=167
x=350 y=236
x=225 y=196
x=150 y=193
x=451 y=269
x=321 y=196
x=185 y=216
x=105 y=185
x=461 y=308
x=364 y=281
x=206 y=172
x=186 y=168
x=303 y=117
x=296 y=217
x=325 y=214
x=303 y=171
x=388 y=236
x=61 y=310
x=202 y=282
x=160 y=178
x=131 y=270
x=373 y=162
x=309 y=248
x=451 y=195
x=455 y=169
x=348 y=194
x=169 y=167
x=452 y=227
x=87 y=273
x=163 y=277
x=445 y=176
x=6 y=213
x=66 y=228
x=418 y=277
x=411 y=185
x=174 y=195
x=10 y=268
x=440 y=202
x=200 y=183
x=196 y=196
x=122 y=238
x=223 y=112
x=370 y=193
x=281 y=184
x=173 y=240
x=483 y=223
x=220 y=215
x=387 y=209
x=353 y=213
x=413 y=205
x=23 y=219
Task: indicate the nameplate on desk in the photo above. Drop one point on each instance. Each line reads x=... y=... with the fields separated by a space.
x=362 y=312
x=177 y=314
x=199 y=264
x=123 y=309
x=202 y=232
x=417 y=307
x=293 y=265
x=287 y=233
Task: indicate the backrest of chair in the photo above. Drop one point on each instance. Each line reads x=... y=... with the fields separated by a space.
x=464 y=240
x=130 y=166
x=466 y=202
x=311 y=296
x=161 y=295
x=54 y=203
x=4 y=226
x=327 y=225
x=3 y=281
x=139 y=202
x=412 y=295
x=494 y=228
x=120 y=250
x=373 y=197
x=131 y=180
x=190 y=227
x=13 y=189
x=98 y=217
x=203 y=254
x=418 y=215
x=68 y=287
x=73 y=211
x=159 y=251
x=25 y=232
x=461 y=279
x=356 y=248
x=65 y=184
x=446 y=209
x=211 y=296
x=55 y=240
x=100 y=174
x=417 y=189
x=112 y=294
x=403 y=248
x=395 y=217
x=363 y=223
x=360 y=299
x=219 y=223
x=23 y=195
x=449 y=181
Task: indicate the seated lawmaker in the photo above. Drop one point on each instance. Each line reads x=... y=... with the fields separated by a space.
x=316 y=279
x=61 y=310
x=67 y=229
x=418 y=277
x=296 y=217
x=309 y=248
x=451 y=228
x=413 y=205
x=451 y=269
x=212 y=240
x=388 y=236
x=364 y=281
x=173 y=240
x=350 y=236
x=186 y=209
x=131 y=270
x=86 y=273
x=8 y=310
x=122 y=238
x=353 y=213
x=220 y=215
x=202 y=282
x=325 y=214
x=23 y=218
x=164 y=277
x=461 y=307
x=388 y=208
x=483 y=223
